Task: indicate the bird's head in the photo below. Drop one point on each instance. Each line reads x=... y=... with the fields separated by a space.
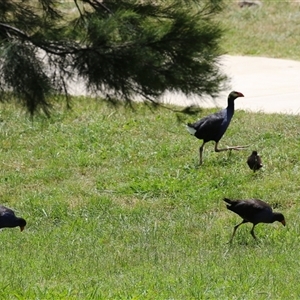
x=254 y=152
x=22 y=223
x=233 y=95
x=280 y=218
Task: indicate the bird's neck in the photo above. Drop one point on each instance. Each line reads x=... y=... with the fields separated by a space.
x=230 y=109
x=275 y=217
x=230 y=105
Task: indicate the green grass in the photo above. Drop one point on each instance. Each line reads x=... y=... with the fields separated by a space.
x=272 y=30
x=117 y=207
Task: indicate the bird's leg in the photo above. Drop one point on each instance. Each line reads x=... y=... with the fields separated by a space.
x=228 y=148
x=235 y=228
x=252 y=232
x=200 y=152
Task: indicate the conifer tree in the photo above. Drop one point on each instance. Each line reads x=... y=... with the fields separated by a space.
x=120 y=49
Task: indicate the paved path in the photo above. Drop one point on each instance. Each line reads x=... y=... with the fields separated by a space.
x=269 y=85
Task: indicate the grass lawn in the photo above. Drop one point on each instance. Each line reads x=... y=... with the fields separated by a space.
x=272 y=30
x=117 y=207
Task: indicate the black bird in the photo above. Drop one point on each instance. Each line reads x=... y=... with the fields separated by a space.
x=212 y=127
x=254 y=161
x=9 y=219
x=254 y=211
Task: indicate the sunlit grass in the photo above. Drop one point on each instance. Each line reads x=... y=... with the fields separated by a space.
x=271 y=30
x=117 y=207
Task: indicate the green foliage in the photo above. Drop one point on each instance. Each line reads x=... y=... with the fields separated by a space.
x=120 y=49
x=117 y=207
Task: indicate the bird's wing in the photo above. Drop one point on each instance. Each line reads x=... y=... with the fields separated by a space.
x=209 y=126
x=215 y=119
x=4 y=210
x=260 y=205
x=249 y=208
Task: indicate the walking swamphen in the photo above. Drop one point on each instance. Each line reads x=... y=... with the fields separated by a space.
x=9 y=219
x=213 y=127
x=254 y=161
x=254 y=211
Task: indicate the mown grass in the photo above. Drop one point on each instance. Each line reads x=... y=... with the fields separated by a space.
x=271 y=30
x=117 y=207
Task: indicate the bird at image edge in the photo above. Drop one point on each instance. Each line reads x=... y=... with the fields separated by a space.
x=8 y=219
x=213 y=127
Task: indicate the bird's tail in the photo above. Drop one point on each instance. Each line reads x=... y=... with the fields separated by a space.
x=190 y=128
x=230 y=202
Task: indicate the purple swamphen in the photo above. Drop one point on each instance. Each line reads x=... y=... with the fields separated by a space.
x=213 y=127
x=254 y=161
x=254 y=211
x=9 y=219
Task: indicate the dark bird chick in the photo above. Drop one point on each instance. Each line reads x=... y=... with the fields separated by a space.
x=254 y=211
x=213 y=127
x=254 y=161
x=8 y=219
